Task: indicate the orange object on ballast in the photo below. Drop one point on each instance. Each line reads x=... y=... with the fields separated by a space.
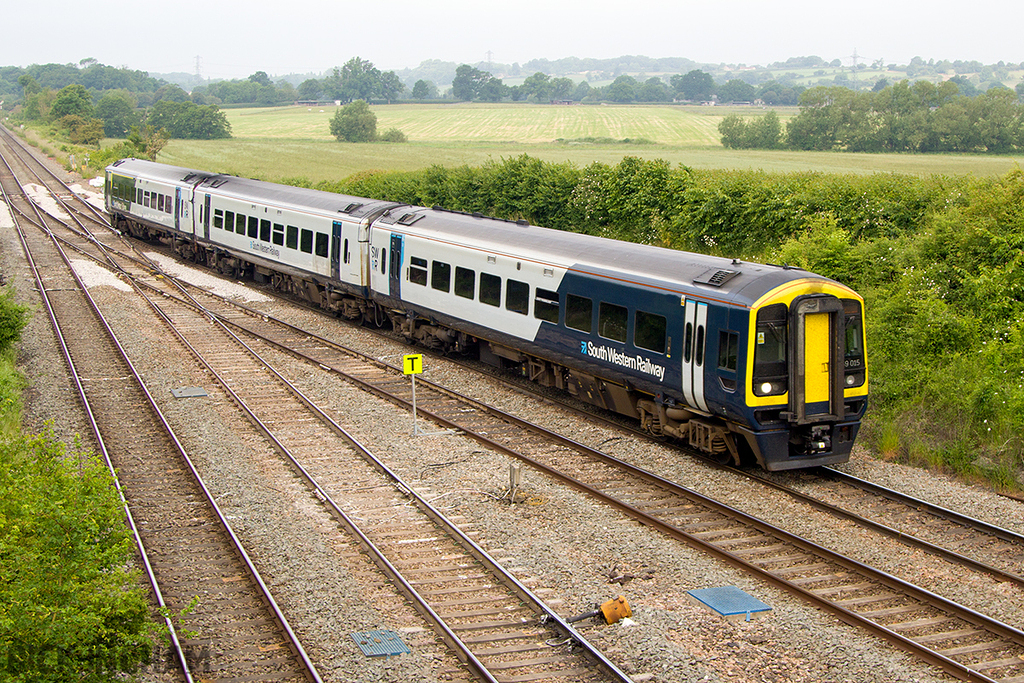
x=616 y=609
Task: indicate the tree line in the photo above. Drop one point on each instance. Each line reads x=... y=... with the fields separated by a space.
x=84 y=117
x=903 y=117
x=473 y=84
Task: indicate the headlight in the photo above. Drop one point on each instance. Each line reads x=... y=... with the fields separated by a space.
x=766 y=388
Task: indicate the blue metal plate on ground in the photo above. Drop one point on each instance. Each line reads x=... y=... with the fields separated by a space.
x=381 y=643
x=729 y=600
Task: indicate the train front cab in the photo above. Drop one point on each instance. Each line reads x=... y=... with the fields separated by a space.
x=808 y=377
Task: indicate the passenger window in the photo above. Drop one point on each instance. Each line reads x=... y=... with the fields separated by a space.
x=229 y=220
x=396 y=262
x=418 y=270
x=383 y=261
x=291 y=240
x=138 y=198
x=611 y=320
x=160 y=203
x=240 y=223
x=441 y=276
x=278 y=236
x=254 y=227
x=306 y=241
x=218 y=218
x=649 y=331
x=517 y=297
x=265 y=230
x=490 y=289
x=545 y=305
x=579 y=313
x=346 y=251
x=322 y=244
x=728 y=350
x=145 y=201
x=465 y=282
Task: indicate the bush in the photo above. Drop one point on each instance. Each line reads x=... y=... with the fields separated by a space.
x=393 y=135
x=69 y=608
x=354 y=123
x=13 y=318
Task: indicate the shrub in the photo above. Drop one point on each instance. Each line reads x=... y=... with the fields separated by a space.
x=393 y=135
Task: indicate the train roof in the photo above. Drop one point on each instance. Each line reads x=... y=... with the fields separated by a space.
x=298 y=198
x=712 y=277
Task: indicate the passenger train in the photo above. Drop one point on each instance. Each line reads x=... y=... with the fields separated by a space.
x=744 y=362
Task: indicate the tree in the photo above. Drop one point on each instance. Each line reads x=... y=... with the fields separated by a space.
x=189 y=121
x=424 y=90
x=653 y=90
x=623 y=89
x=696 y=85
x=734 y=132
x=70 y=609
x=537 y=86
x=360 y=80
x=82 y=131
x=493 y=90
x=354 y=123
x=391 y=86
x=310 y=89
x=72 y=99
x=148 y=140
x=171 y=93
x=468 y=82
x=736 y=90
x=29 y=86
x=261 y=78
x=117 y=111
x=561 y=88
x=581 y=91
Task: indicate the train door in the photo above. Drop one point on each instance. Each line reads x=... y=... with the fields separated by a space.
x=355 y=250
x=817 y=337
x=177 y=208
x=694 y=348
x=336 y=251
x=206 y=218
x=395 y=267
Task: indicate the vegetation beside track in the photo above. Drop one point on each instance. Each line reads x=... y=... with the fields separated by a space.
x=70 y=606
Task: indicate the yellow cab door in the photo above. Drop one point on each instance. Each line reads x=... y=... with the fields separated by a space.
x=817 y=327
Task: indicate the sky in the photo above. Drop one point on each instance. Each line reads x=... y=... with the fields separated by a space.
x=227 y=39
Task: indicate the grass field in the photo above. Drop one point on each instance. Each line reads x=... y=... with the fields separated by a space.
x=295 y=142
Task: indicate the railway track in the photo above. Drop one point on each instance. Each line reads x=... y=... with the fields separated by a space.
x=496 y=625
x=940 y=632
x=240 y=631
x=956 y=641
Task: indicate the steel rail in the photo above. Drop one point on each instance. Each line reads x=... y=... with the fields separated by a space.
x=380 y=558
x=309 y=668
x=97 y=434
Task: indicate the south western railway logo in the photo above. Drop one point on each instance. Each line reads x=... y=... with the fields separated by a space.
x=616 y=357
